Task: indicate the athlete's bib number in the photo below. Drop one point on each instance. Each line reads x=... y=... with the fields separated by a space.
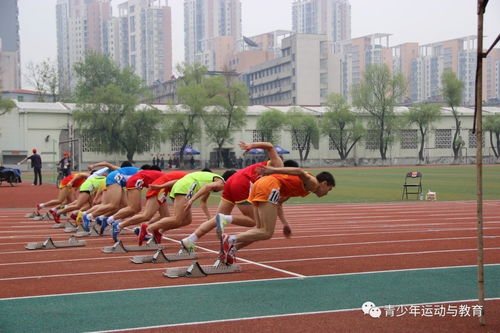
x=139 y=184
x=274 y=196
x=190 y=193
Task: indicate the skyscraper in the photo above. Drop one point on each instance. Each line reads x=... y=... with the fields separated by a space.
x=146 y=38
x=212 y=29
x=10 y=57
x=330 y=17
x=80 y=28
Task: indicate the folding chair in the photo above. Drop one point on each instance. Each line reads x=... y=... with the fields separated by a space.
x=413 y=184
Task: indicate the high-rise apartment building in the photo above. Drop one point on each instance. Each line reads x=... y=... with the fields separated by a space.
x=459 y=55
x=80 y=28
x=330 y=17
x=305 y=74
x=212 y=29
x=403 y=56
x=140 y=38
x=358 y=53
x=146 y=37
x=10 y=56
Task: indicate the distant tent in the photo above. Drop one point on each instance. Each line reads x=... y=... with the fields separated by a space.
x=281 y=150
x=256 y=151
x=188 y=150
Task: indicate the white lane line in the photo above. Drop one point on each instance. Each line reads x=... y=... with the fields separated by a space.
x=380 y=255
x=287 y=315
x=243 y=281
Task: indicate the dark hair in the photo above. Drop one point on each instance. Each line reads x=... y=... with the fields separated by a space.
x=326 y=176
x=155 y=167
x=227 y=174
x=291 y=163
x=125 y=164
x=206 y=170
x=146 y=167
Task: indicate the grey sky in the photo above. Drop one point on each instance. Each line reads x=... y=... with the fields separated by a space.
x=422 y=21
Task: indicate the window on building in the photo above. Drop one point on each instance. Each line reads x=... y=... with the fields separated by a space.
x=90 y=143
x=409 y=139
x=176 y=143
x=442 y=138
x=372 y=140
x=473 y=140
x=257 y=136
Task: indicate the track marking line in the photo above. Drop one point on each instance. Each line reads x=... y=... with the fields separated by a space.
x=285 y=315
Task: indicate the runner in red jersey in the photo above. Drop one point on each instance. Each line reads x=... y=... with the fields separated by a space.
x=66 y=192
x=135 y=184
x=156 y=199
x=236 y=191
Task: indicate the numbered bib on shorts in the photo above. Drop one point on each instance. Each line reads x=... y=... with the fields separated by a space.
x=161 y=197
x=118 y=177
x=274 y=196
x=91 y=188
x=139 y=184
x=190 y=193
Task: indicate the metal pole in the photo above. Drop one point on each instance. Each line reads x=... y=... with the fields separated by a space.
x=479 y=159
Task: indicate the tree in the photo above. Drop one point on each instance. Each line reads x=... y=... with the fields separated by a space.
x=452 y=90
x=196 y=91
x=341 y=125
x=423 y=115
x=44 y=78
x=107 y=97
x=492 y=124
x=377 y=94
x=227 y=115
x=6 y=105
x=269 y=125
x=304 y=131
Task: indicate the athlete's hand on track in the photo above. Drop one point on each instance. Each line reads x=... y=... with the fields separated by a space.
x=287 y=231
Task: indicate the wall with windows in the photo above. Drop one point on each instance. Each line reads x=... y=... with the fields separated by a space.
x=45 y=125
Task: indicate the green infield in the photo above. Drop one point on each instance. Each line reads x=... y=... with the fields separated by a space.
x=385 y=184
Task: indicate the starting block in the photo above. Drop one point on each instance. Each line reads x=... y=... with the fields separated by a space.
x=44 y=217
x=50 y=244
x=161 y=257
x=92 y=233
x=197 y=270
x=118 y=247
x=70 y=227
x=31 y=215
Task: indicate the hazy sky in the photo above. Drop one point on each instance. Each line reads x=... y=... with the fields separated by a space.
x=422 y=21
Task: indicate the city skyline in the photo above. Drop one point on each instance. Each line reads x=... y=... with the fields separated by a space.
x=38 y=36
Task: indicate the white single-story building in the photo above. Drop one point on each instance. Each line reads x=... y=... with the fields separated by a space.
x=49 y=128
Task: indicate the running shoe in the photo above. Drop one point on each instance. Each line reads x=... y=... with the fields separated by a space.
x=86 y=222
x=73 y=216
x=188 y=245
x=142 y=233
x=157 y=236
x=104 y=225
x=78 y=220
x=231 y=256
x=98 y=220
x=37 y=209
x=220 y=224
x=225 y=246
x=55 y=215
x=115 y=230
x=136 y=232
